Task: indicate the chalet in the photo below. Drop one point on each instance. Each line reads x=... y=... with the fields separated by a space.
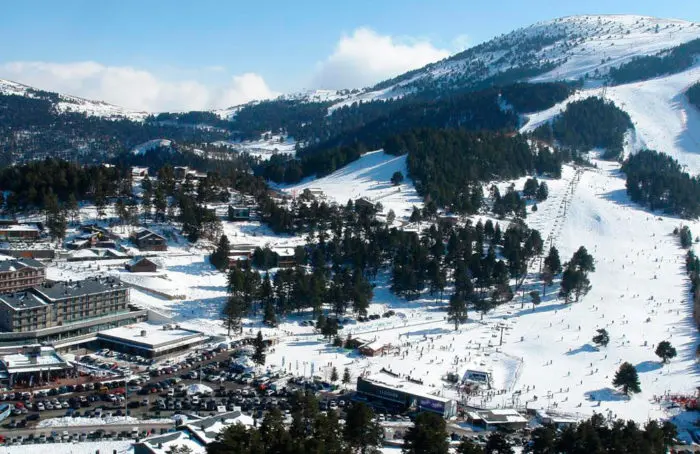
x=285 y=257
x=451 y=219
x=314 y=193
x=180 y=172
x=374 y=348
x=363 y=202
x=19 y=232
x=238 y=213
x=147 y=240
x=139 y=171
x=238 y=261
x=141 y=265
x=240 y=254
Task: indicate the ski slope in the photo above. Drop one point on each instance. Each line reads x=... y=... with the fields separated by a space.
x=578 y=46
x=368 y=177
x=663 y=118
x=547 y=359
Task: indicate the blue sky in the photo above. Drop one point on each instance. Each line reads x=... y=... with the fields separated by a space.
x=95 y=48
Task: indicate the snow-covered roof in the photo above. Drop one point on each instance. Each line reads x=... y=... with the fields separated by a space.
x=498 y=416
x=44 y=359
x=152 y=336
x=415 y=389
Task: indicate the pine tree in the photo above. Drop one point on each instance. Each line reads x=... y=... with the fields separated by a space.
x=361 y=432
x=542 y=192
x=219 y=258
x=467 y=446
x=665 y=351
x=346 y=376
x=535 y=299
x=233 y=312
x=427 y=436
x=259 y=353
x=626 y=377
x=397 y=178
x=602 y=338
x=498 y=444
x=72 y=206
x=457 y=310
x=334 y=375
x=530 y=188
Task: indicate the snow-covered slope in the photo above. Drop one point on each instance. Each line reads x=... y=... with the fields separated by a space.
x=368 y=177
x=663 y=118
x=566 y=48
x=68 y=103
x=150 y=145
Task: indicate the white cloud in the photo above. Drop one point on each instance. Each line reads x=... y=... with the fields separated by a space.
x=366 y=57
x=135 y=88
x=461 y=42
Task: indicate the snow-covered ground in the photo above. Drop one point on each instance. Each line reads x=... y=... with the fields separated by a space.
x=368 y=177
x=663 y=118
x=263 y=148
x=83 y=447
x=151 y=145
x=639 y=294
x=69 y=103
x=580 y=45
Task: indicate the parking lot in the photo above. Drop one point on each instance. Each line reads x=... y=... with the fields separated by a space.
x=161 y=392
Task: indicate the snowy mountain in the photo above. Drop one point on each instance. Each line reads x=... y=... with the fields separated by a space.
x=568 y=48
x=69 y=103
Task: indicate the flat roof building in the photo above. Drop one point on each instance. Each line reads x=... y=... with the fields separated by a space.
x=151 y=340
x=504 y=418
x=405 y=394
x=32 y=365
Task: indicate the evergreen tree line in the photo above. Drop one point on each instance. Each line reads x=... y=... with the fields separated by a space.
x=313 y=431
x=449 y=165
x=352 y=130
x=348 y=247
x=692 y=266
x=587 y=124
x=310 y=432
x=671 y=61
x=525 y=97
x=30 y=184
x=33 y=128
x=294 y=290
x=592 y=436
x=693 y=94
x=657 y=181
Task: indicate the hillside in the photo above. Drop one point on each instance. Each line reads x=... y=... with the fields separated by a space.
x=368 y=177
x=662 y=116
x=68 y=103
x=568 y=48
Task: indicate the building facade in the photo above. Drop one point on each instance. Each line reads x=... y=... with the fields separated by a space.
x=62 y=303
x=21 y=274
x=19 y=232
x=150 y=241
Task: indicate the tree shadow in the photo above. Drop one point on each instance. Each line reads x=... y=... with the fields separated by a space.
x=648 y=366
x=606 y=395
x=585 y=348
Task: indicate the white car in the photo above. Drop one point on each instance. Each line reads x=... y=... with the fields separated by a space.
x=40 y=406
